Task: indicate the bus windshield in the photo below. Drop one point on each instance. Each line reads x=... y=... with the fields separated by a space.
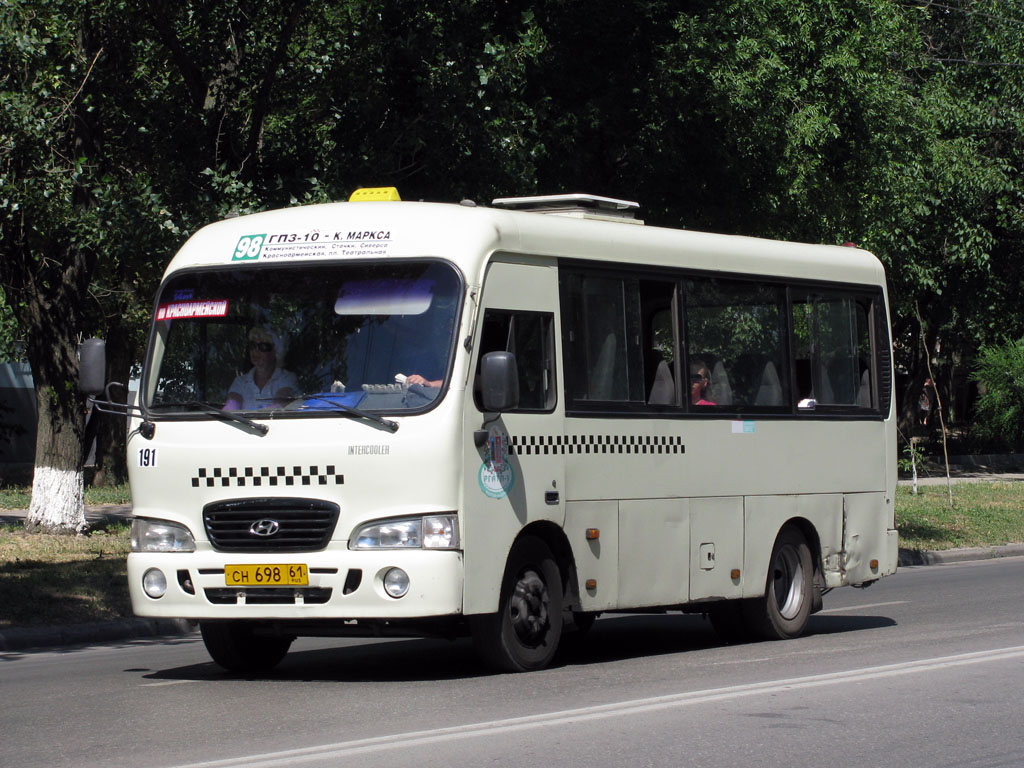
x=372 y=336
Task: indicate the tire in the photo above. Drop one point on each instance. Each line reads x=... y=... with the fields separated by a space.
x=235 y=646
x=783 y=612
x=523 y=635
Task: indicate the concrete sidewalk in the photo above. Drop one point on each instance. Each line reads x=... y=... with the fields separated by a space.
x=96 y=515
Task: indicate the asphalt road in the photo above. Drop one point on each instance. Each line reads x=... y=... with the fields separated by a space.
x=924 y=669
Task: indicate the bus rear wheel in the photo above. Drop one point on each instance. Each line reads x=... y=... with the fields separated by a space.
x=523 y=635
x=783 y=612
x=236 y=646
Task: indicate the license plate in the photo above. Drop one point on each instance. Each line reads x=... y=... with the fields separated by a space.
x=289 y=575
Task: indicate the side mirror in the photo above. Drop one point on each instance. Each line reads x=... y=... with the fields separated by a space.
x=92 y=366
x=499 y=382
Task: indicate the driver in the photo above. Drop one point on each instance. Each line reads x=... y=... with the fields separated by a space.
x=264 y=385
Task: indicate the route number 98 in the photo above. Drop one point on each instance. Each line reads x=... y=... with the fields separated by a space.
x=248 y=247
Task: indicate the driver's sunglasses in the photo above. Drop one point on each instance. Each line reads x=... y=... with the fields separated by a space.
x=262 y=346
x=695 y=377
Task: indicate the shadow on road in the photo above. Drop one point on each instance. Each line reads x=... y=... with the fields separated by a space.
x=835 y=623
x=613 y=638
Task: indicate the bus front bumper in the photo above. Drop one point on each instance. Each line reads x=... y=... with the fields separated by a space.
x=342 y=584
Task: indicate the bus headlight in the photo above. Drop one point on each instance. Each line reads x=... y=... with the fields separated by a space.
x=427 y=532
x=161 y=536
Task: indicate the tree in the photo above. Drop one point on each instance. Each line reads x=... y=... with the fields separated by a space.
x=45 y=260
x=1000 y=369
x=66 y=202
x=895 y=125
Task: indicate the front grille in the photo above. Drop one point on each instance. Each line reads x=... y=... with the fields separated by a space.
x=287 y=525
x=268 y=595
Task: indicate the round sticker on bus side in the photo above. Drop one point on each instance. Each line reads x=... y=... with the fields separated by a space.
x=496 y=474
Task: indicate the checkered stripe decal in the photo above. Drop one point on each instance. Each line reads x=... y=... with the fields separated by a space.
x=266 y=476
x=552 y=445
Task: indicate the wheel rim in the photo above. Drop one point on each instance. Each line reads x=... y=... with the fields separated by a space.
x=788 y=582
x=528 y=608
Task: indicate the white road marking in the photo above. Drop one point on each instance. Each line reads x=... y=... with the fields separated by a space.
x=167 y=682
x=586 y=714
x=849 y=608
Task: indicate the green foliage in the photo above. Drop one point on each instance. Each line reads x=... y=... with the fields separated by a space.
x=912 y=458
x=1000 y=408
x=11 y=350
x=894 y=125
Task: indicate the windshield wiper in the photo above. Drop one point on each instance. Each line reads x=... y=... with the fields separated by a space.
x=325 y=397
x=213 y=410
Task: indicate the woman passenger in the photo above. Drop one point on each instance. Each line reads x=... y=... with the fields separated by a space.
x=700 y=379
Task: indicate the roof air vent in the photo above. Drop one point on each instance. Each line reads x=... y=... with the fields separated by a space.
x=577 y=206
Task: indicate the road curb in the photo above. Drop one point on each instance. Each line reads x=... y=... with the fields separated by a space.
x=961 y=555
x=24 y=638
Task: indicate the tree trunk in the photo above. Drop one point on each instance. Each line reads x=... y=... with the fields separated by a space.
x=52 y=325
x=58 y=504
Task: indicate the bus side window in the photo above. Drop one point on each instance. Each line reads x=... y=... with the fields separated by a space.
x=657 y=302
x=735 y=330
x=530 y=337
x=832 y=340
x=601 y=335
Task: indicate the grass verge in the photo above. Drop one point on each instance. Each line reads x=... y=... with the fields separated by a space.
x=983 y=514
x=50 y=580
x=56 y=580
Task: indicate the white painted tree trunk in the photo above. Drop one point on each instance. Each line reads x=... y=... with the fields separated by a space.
x=58 y=501
x=57 y=488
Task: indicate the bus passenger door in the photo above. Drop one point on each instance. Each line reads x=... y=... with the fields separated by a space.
x=514 y=462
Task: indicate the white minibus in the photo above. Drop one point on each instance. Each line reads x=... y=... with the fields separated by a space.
x=387 y=418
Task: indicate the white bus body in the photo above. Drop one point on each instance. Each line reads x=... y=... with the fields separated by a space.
x=602 y=487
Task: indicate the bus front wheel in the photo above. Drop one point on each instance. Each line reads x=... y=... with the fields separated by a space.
x=523 y=635
x=786 y=606
x=235 y=646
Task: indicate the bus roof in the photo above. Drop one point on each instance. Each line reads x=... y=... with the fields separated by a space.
x=467 y=235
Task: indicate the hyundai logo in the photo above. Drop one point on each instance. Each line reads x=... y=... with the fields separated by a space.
x=264 y=528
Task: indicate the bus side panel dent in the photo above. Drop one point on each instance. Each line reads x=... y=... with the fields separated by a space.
x=764 y=517
x=867 y=537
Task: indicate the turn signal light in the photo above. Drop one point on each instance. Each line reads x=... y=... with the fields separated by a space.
x=591 y=584
x=593 y=534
